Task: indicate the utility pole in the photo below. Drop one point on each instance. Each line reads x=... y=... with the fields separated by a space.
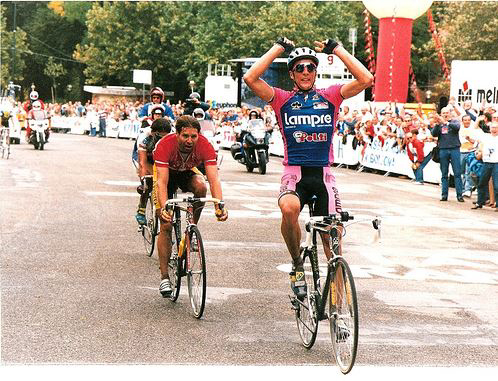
x=14 y=47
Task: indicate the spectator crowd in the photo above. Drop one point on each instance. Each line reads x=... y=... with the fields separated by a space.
x=387 y=125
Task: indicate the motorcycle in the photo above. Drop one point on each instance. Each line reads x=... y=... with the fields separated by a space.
x=208 y=130
x=37 y=135
x=255 y=144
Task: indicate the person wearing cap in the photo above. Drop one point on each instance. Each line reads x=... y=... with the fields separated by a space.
x=306 y=117
x=156 y=97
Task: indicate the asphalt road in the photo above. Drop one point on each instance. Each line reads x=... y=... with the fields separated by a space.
x=77 y=287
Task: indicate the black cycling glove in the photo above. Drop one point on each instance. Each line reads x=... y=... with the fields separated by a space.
x=286 y=44
x=330 y=45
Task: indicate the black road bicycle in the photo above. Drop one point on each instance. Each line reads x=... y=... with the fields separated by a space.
x=149 y=231
x=338 y=289
x=187 y=253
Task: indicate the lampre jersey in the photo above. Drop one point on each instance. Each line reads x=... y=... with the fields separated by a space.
x=307 y=121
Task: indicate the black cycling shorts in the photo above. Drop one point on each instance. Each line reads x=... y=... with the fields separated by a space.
x=306 y=182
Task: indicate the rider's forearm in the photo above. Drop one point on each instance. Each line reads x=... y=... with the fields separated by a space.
x=359 y=71
x=142 y=163
x=260 y=66
x=162 y=185
x=215 y=188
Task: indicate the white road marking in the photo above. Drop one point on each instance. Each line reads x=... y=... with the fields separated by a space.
x=460 y=265
x=122 y=183
x=112 y=194
x=26 y=178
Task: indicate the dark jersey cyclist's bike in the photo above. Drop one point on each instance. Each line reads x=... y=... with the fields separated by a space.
x=338 y=288
x=149 y=231
x=187 y=253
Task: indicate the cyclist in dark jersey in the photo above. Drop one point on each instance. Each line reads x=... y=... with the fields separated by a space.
x=306 y=117
x=176 y=158
x=159 y=128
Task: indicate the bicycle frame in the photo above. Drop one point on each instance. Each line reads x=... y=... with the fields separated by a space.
x=189 y=213
x=311 y=247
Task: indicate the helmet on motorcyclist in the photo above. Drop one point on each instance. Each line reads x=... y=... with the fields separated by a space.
x=33 y=95
x=157 y=109
x=199 y=113
x=195 y=95
x=161 y=125
x=299 y=54
x=157 y=91
x=254 y=114
x=37 y=105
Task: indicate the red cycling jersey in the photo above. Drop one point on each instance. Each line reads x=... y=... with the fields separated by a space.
x=166 y=154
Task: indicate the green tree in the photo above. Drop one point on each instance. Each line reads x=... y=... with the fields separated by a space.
x=54 y=71
x=469 y=31
x=12 y=62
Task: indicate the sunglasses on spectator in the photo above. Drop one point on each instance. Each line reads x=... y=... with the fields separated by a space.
x=300 y=68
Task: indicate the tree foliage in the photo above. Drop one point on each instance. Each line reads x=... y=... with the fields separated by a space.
x=12 y=64
x=469 y=31
x=178 y=39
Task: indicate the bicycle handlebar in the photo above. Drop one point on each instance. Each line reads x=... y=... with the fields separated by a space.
x=192 y=199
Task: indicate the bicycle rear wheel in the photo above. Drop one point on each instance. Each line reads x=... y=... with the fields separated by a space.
x=149 y=230
x=176 y=262
x=306 y=312
x=196 y=271
x=343 y=316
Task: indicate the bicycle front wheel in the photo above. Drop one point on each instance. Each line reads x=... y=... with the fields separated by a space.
x=149 y=230
x=177 y=260
x=306 y=311
x=196 y=271
x=343 y=316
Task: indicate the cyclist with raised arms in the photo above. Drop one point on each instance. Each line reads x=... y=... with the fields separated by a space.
x=176 y=158
x=306 y=117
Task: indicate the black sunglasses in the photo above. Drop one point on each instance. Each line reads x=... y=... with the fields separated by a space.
x=300 y=68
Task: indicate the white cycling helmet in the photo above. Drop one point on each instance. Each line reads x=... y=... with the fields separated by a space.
x=299 y=54
x=33 y=95
x=157 y=109
x=199 y=113
x=37 y=105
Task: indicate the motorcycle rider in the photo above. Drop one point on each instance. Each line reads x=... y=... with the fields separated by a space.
x=38 y=113
x=241 y=131
x=33 y=97
x=157 y=97
x=155 y=111
x=159 y=128
x=199 y=114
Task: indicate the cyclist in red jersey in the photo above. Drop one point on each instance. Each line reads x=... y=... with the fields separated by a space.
x=176 y=157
